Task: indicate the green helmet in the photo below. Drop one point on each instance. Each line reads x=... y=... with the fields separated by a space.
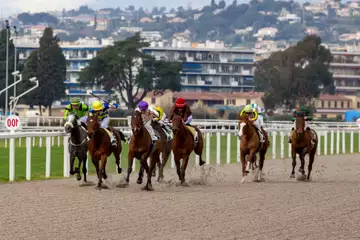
x=75 y=101
x=248 y=109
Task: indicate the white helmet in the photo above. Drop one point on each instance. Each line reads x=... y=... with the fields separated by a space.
x=254 y=105
x=152 y=108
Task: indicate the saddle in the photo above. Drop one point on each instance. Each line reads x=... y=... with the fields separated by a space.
x=193 y=132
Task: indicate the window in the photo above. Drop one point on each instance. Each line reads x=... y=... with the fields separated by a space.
x=342 y=104
x=248 y=101
x=322 y=104
x=348 y=104
x=230 y=102
x=225 y=80
x=335 y=104
x=153 y=100
x=358 y=104
x=329 y=104
x=323 y=116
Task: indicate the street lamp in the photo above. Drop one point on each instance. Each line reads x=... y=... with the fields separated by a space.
x=15 y=57
x=15 y=74
x=7 y=26
x=14 y=100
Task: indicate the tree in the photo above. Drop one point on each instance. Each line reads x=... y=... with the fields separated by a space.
x=48 y=65
x=124 y=68
x=295 y=75
x=3 y=65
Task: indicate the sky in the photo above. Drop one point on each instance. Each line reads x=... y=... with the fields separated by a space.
x=9 y=7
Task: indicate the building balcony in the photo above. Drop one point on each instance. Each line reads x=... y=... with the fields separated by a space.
x=346 y=76
x=335 y=64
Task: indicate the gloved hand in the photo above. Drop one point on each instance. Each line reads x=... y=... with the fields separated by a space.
x=115 y=105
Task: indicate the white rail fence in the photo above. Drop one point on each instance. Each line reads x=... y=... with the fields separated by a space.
x=51 y=122
x=344 y=141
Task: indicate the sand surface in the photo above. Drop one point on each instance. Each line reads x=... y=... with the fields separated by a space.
x=215 y=206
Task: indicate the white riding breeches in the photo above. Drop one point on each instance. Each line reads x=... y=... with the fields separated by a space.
x=151 y=131
x=105 y=122
x=260 y=121
x=258 y=126
x=83 y=119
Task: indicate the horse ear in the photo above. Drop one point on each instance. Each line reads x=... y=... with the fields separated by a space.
x=90 y=114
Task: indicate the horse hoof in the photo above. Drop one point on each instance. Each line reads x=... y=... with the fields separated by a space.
x=78 y=177
x=292 y=176
x=147 y=188
x=119 y=170
x=184 y=184
x=201 y=162
x=139 y=181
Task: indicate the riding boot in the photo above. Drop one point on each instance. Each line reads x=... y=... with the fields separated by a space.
x=112 y=138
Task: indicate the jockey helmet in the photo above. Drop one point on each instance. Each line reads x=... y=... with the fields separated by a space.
x=97 y=105
x=248 y=109
x=254 y=105
x=180 y=103
x=152 y=108
x=75 y=101
x=143 y=106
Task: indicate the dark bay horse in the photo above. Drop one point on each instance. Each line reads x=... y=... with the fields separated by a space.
x=141 y=148
x=166 y=147
x=250 y=145
x=302 y=144
x=183 y=144
x=100 y=147
x=78 y=146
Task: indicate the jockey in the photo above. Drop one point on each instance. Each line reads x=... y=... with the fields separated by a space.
x=143 y=107
x=308 y=118
x=260 y=118
x=103 y=115
x=79 y=109
x=253 y=116
x=160 y=117
x=182 y=109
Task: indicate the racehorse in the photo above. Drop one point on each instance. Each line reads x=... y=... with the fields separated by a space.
x=141 y=148
x=302 y=144
x=100 y=147
x=250 y=145
x=183 y=144
x=166 y=147
x=78 y=145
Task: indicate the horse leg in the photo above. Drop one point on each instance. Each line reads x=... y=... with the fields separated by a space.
x=311 y=161
x=102 y=171
x=183 y=168
x=145 y=165
x=302 y=167
x=96 y=164
x=293 y=155
x=177 y=158
x=141 y=174
x=243 y=163
x=165 y=157
x=261 y=164
x=117 y=160
x=199 y=147
x=72 y=160
x=77 y=170
x=130 y=164
x=84 y=169
x=153 y=160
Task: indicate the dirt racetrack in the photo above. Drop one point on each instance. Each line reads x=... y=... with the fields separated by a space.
x=215 y=206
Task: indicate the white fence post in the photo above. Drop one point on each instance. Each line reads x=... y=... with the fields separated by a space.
x=28 y=158
x=218 y=143
x=237 y=149
x=325 y=142
x=343 y=142
x=319 y=144
x=48 y=156
x=332 y=142
x=207 y=148
x=274 y=144
x=282 y=145
x=338 y=136
x=228 y=148
x=66 y=157
x=12 y=160
x=351 y=141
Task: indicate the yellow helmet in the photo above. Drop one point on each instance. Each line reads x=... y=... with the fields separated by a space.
x=248 y=109
x=97 y=105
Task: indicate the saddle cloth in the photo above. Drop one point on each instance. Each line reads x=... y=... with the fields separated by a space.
x=193 y=132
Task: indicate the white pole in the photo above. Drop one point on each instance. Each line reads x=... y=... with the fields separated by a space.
x=325 y=142
x=338 y=136
x=228 y=147
x=28 y=158
x=282 y=145
x=66 y=157
x=332 y=142
x=343 y=142
x=274 y=144
x=48 y=156
x=218 y=142
x=351 y=141
x=7 y=67
x=12 y=159
x=207 y=148
x=319 y=144
x=238 y=149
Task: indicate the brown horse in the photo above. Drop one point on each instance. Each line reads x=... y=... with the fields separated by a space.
x=141 y=148
x=100 y=147
x=166 y=147
x=183 y=144
x=250 y=145
x=302 y=144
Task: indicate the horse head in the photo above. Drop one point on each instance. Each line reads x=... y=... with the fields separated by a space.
x=245 y=125
x=177 y=123
x=71 y=123
x=136 y=123
x=93 y=124
x=300 y=123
